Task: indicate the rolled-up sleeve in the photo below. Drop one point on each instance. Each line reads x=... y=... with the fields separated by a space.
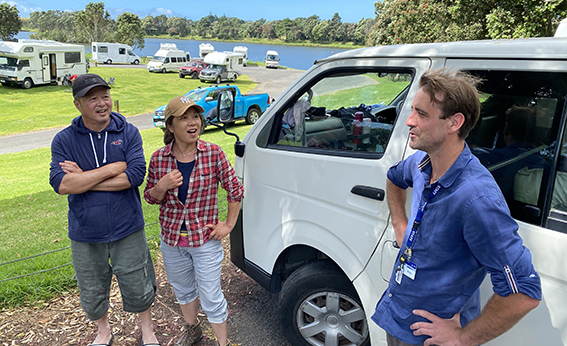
x=228 y=179
x=492 y=236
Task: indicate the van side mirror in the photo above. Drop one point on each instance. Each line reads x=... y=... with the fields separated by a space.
x=225 y=106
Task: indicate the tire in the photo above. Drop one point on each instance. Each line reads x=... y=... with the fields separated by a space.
x=320 y=294
x=219 y=80
x=194 y=75
x=136 y=62
x=28 y=83
x=181 y=75
x=108 y=62
x=252 y=115
x=163 y=70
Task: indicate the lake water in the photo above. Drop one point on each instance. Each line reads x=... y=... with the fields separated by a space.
x=291 y=56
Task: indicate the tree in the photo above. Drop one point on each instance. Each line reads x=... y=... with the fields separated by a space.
x=92 y=23
x=129 y=30
x=53 y=25
x=10 y=23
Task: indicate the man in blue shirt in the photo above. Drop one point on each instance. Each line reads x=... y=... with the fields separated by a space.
x=460 y=229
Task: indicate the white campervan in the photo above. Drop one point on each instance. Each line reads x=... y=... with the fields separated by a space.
x=315 y=224
x=272 y=59
x=34 y=62
x=168 y=58
x=108 y=53
x=204 y=49
x=222 y=66
x=244 y=51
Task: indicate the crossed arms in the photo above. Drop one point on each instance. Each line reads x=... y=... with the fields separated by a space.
x=110 y=177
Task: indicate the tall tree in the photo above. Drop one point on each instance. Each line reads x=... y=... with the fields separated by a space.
x=93 y=23
x=10 y=23
x=129 y=30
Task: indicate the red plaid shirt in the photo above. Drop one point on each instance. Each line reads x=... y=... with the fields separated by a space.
x=201 y=207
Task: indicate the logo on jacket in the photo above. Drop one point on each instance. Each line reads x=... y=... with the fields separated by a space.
x=117 y=142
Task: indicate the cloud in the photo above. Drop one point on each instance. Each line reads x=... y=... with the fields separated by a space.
x=22 y=9
x=161 y=10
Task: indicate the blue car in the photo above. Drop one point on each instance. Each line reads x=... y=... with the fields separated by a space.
x=247 y=107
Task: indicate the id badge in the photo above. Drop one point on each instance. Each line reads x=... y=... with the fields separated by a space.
x=399 y=275
x=409 y=270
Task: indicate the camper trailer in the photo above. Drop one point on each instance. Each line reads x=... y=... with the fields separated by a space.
x=204 y=49
x=35 y=62
x=108 y=53
x=222 y=66
x=244 y=51
x=168 y=58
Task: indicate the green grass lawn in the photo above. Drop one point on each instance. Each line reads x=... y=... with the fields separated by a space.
x=136 y=90
x=34 y=217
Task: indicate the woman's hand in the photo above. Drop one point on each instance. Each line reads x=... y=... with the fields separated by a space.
x=220 y=230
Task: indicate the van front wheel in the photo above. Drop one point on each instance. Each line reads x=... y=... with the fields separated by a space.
x=28 y=83
x=319 y=306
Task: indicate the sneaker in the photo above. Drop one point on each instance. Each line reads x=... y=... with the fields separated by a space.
x=193 y=334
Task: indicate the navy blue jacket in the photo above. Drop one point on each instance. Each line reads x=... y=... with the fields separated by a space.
x=101 y=216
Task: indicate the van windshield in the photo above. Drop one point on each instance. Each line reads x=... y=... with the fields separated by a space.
x=7 y=63
x=158 y=58
x=216 y=67
x=272 y=57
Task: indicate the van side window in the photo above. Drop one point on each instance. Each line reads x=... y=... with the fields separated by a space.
x=103 y=49
x=122 y=51
x=72 y=57
x=345 y=113
x=173 y=59
x=516 y=140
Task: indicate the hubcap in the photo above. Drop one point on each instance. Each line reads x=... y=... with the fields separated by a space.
x=331 y=319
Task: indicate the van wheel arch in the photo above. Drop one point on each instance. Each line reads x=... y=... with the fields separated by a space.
x=136 y=62
x=322 y=287
x=108 y=61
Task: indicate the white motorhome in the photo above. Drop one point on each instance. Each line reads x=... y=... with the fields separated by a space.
x=168 y=58
x=35 y=62
x=315 y=224
x=108 y=53
x=272 y=59
x=222 y=66
x=242 y=50
x=204 y=49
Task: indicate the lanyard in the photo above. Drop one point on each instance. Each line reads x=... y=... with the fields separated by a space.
x=417 y=220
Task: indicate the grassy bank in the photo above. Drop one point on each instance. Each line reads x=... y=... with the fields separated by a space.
x=136 y=90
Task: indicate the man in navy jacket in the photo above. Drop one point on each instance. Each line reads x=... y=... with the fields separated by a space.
x=99 y=163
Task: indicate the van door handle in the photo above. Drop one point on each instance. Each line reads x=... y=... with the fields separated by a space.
x=368 y=192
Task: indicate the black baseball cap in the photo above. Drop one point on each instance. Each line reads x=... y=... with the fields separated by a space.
x=85 y=82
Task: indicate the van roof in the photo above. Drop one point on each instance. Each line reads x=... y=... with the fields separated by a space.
x=531 y=48
x=47 y=45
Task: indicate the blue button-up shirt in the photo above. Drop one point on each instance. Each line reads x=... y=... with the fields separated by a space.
x=466 y=231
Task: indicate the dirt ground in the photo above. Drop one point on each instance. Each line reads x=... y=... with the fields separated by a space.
x=252 y=319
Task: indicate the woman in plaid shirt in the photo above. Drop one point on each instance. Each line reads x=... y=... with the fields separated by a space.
x=183 y=178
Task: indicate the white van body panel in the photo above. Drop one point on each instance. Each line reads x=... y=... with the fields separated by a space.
x=242 y=50
x=204 y=49
x=107 y=53
x=230 y=63
x=40 y=61
x=304 y=198
x=168 y=58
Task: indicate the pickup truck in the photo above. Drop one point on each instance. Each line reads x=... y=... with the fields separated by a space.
x=247 y=107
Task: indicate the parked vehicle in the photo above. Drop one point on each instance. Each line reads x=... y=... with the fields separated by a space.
x=272 y=59
x=314 y=223
x=168 y=58
x=222 y=66
x=244 y=51
x=204 y=49
x=248 y=107
x=108 y=53
x=35 y=62
x=192 y=69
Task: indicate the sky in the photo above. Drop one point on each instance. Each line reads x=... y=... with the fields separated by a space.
x=350 y=11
